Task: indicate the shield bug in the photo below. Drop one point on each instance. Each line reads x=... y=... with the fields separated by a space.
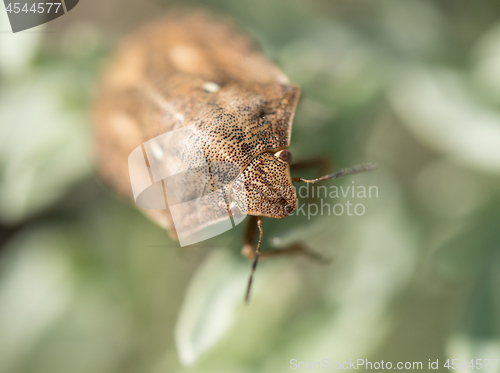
x=190 y=105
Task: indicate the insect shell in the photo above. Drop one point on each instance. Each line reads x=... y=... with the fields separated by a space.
x=198 y=70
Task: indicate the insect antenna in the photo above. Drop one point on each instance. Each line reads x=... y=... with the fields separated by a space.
x=363 y=167
x=255 y=259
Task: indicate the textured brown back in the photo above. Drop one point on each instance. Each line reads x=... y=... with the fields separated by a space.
x=190 y=70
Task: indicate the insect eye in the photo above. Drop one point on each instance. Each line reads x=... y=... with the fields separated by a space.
x=284 y=155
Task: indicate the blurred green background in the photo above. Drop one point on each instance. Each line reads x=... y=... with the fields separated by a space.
x=88 y=284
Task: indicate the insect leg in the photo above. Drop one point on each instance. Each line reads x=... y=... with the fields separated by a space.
x=323 y=163
x=296 y=248
x=364 y=167
x=250 y=234
x=292 y=249
x=255 y=259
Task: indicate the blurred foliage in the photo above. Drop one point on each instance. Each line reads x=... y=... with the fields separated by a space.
x=88 y=284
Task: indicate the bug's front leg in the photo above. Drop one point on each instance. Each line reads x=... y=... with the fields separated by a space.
x=250 y=232
x=295 y=248
x=323 y=163
x=248 y=251
x=248 y=243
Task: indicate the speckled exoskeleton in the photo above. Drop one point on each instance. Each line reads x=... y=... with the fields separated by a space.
x=194 y=69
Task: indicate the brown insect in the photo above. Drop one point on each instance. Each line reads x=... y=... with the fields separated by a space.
x=197 y=70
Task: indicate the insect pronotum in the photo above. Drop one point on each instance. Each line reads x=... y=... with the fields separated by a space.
x=196 y=75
